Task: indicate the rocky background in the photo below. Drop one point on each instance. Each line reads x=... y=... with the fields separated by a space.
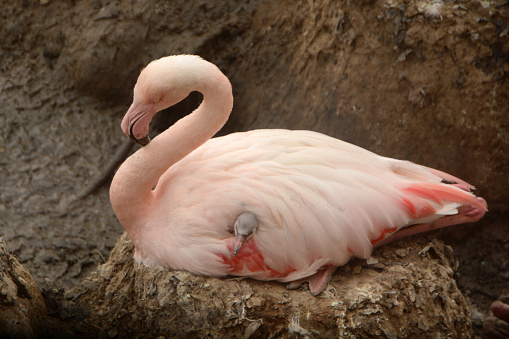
x=419 y=80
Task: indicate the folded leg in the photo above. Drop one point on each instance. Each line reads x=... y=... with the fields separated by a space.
x=317 y=282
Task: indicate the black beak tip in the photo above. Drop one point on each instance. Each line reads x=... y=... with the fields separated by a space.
x=142 y=141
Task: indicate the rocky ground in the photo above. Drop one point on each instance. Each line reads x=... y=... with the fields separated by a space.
x=420 y=80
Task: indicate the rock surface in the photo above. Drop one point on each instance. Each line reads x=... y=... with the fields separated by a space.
x=22 y=307
x=404 y=290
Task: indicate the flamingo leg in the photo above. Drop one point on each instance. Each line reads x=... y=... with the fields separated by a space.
x=466 y=214
x=317 y=281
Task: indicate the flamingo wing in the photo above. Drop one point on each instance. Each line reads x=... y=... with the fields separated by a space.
x=319 y=201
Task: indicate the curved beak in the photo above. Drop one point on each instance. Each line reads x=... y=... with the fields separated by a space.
x=136 y=122
x=239 y=241
x=143 y=141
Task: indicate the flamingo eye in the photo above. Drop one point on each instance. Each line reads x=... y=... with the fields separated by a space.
x=157 y=99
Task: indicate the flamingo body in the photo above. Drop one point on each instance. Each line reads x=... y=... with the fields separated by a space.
x=318 y=200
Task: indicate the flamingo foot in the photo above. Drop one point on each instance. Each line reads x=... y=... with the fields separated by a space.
x=317 y=282
x=497 y=325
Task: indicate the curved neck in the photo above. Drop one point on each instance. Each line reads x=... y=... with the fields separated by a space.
x=131 y=188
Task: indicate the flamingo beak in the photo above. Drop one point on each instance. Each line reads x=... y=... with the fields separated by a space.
x=136 y=122
x=239 y=241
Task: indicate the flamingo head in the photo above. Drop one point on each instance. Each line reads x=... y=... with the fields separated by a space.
x=245 y=225
x=163 y=83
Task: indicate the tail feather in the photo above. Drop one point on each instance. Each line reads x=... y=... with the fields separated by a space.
x=450 y=178
x=434 y=205
x=423 y=173
x=419 y=198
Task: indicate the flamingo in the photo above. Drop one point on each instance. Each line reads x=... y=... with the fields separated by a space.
x=268 y=204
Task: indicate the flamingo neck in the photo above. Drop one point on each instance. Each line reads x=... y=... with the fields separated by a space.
x=131 y=189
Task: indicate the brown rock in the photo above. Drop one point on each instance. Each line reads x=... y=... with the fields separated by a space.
x=411 y=297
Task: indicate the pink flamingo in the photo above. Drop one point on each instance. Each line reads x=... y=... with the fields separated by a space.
x=277 y=205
